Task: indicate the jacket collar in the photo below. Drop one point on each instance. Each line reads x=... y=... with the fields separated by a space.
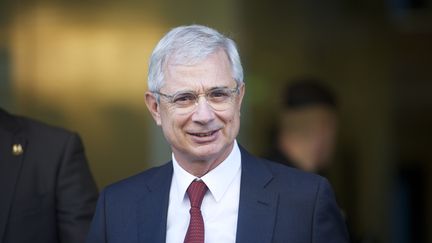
x=153 y=207
x=258 y=203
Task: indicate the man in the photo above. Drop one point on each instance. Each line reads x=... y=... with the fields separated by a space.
x=306 y=134
x=47 y=194
x=212 y=191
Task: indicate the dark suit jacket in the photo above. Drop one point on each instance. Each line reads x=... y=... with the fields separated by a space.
x=47 y=194
x=277 y=204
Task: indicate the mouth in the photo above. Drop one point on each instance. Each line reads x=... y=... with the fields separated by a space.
x=204 y=134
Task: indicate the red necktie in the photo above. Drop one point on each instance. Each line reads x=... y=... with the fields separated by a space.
x=195 y=232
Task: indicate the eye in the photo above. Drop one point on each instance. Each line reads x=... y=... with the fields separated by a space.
x=184 y=99
x=219 y=94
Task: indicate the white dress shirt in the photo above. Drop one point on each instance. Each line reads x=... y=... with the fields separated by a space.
x=220 y=204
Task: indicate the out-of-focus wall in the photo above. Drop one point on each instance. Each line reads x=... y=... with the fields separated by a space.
x=83 y=65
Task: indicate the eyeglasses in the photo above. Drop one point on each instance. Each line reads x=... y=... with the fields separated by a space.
x=219 y=98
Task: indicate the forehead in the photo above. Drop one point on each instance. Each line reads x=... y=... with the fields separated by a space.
x=212 y=71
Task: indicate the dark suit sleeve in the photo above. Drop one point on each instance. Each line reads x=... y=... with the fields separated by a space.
x=97 y=233
x=76 y=193
x=328 y=224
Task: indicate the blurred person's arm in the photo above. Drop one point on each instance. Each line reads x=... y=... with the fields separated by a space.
x=76 y=193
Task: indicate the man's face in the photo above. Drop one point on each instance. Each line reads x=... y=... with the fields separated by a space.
x=308 y=136
x=203 y=134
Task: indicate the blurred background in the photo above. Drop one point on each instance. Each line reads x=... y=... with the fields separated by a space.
x=83 y=65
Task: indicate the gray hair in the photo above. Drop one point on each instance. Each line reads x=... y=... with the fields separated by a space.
x=187 y=45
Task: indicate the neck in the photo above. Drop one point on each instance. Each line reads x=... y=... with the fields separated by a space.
x=201 y=166
x=199 y=169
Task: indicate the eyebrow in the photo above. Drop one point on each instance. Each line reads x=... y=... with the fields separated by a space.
x=193 y=91
x=218 y=87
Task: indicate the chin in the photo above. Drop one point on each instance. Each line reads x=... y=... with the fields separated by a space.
x=206 y=150
x=209 y=151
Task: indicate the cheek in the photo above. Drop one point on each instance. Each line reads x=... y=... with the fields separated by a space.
x=173 y=124
x=226 y=117
x=233 y=123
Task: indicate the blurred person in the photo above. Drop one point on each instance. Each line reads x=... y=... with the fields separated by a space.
x=47 y=193
x=305 y=136
x=212 y=190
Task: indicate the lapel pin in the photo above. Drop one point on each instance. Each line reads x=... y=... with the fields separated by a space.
x=17 y=149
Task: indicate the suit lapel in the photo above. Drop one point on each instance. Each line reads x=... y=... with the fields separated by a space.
x=10 y=164
x=153 y=207
x=258 y=204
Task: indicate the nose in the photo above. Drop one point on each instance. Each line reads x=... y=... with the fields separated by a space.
x=203 y=112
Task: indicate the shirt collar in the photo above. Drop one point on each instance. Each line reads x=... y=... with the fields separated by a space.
x=217 y=180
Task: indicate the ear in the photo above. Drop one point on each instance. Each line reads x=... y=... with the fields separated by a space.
x=242 y=91
x=153 y=107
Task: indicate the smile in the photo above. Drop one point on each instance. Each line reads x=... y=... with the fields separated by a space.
x=207 y=134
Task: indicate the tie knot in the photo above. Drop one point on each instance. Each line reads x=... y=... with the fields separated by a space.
x=196 y=191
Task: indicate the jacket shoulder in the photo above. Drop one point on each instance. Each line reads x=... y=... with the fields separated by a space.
x=136 y=184
x=32 y=128
x=35 y=127
x=279 y=173
x=284 y=172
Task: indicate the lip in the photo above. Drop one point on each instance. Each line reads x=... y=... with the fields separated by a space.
x=204 y=137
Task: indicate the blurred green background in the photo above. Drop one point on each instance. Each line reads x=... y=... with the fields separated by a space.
x=83 y=65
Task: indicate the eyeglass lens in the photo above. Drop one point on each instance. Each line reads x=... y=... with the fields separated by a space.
x=219 y=99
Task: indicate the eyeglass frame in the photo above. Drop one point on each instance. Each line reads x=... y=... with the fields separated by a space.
x=196 y=95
